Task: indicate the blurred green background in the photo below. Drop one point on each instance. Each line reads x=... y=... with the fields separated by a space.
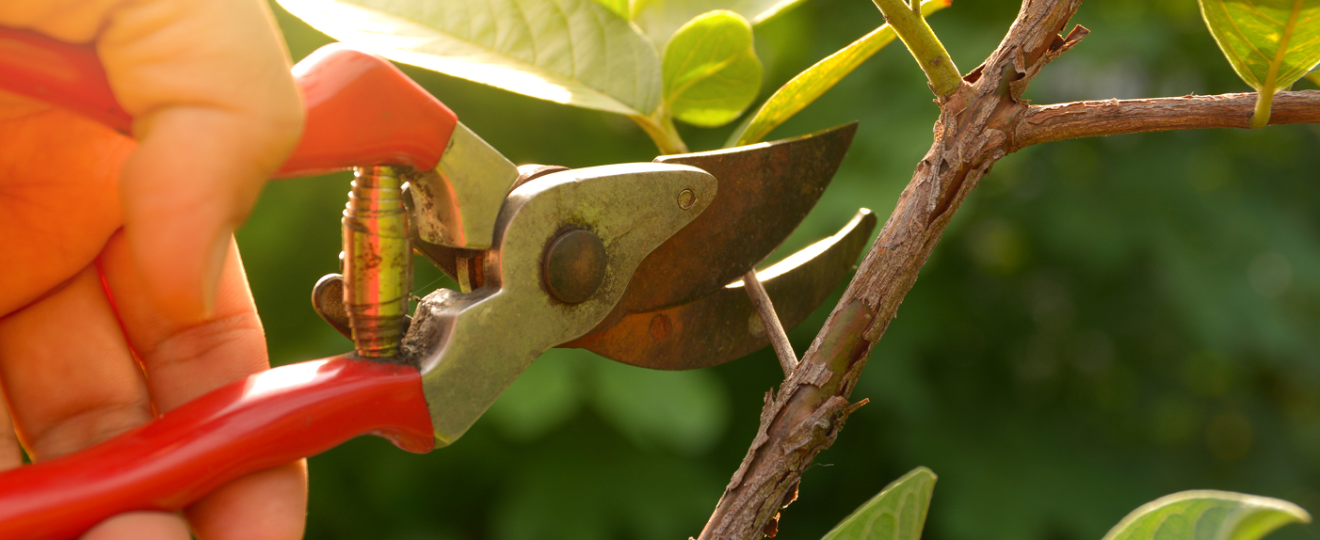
x=1106 y=321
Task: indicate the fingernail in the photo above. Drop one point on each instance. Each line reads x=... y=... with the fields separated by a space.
x=215 y=265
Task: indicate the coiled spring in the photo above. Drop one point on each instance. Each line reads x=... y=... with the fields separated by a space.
x=377 y=261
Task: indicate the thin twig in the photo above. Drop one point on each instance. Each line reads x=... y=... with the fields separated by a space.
x=770 y=320
x=911 y=26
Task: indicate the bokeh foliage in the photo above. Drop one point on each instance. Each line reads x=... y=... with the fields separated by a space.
x=1106 y=321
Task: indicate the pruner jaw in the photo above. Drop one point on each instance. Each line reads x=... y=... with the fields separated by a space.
x=566 y=247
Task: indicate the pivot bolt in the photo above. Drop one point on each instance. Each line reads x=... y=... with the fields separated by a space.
x=686 y=199
x=574 y=266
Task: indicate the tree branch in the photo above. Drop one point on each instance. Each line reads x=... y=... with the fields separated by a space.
x=1047 y=123
x=804 y=416
x=979 y=123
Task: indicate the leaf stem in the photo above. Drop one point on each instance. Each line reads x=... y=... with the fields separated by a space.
x=923 y=44
x=660 y=127
x=1262 y=115
x=813 y=82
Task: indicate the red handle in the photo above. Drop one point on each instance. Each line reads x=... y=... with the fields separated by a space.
x=268 y=419
x=361 y=110
x=61 y=73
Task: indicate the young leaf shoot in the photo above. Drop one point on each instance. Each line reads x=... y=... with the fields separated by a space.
x=711 y=72
x=813 y=82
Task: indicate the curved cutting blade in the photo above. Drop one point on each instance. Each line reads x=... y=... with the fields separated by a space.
x=765 y=190
x=724 y=326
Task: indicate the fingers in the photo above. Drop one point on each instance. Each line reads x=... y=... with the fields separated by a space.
x=67 y=372
x=215 y=113
x=184 y=361
x=72 y=383
x=59 y=198
x=10 y=454
x=75 y=21
x=266 y=505
x=140 y=526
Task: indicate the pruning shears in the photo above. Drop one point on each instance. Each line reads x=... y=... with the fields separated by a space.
x=638 y=262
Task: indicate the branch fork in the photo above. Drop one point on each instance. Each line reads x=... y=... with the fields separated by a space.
x=982 y=118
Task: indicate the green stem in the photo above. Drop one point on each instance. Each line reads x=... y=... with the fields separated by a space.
x=1261 y=117
x=660 y=126
x=923 y=44
x=1265 y=97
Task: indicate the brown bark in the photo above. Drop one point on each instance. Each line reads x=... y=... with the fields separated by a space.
x=1046 y=123
x=805 y=415
x=980 y=123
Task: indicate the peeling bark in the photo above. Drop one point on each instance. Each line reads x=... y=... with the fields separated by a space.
x=1047 y=123
x=809 y=409
x=979 y=124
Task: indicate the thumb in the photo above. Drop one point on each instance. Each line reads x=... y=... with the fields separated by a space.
x=215 y=113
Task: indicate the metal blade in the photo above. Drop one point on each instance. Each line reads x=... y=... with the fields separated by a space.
x=765 y=190
x=724 y=326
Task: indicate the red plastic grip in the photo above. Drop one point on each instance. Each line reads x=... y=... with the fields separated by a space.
x=62 y=73
x=268 y=419
x=361 y=110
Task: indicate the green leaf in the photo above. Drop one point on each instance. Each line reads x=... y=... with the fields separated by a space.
x=625 y=8
x=809 y=85
x=575 y=52
x=1270 y=43
x=1207 y=515
x=660 y=19
x=898 y=512
x=619 y=7
x=711 y=73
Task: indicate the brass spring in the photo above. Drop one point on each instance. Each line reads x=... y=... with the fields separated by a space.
x=377 y=261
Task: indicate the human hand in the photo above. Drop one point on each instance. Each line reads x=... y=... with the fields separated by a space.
x=97 y=225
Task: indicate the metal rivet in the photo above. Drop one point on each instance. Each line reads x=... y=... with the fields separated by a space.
x=661 y=327
x=686 y=199
x=574 y=266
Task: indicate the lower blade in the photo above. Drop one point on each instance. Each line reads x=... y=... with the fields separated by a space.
x=724 y=326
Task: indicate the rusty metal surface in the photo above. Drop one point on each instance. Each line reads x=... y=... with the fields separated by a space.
x=446 y=258
x=724 y=326
x=328 y=301
x=765 y=190
x=573 y=265
x=458 y=202
x=471 y=346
